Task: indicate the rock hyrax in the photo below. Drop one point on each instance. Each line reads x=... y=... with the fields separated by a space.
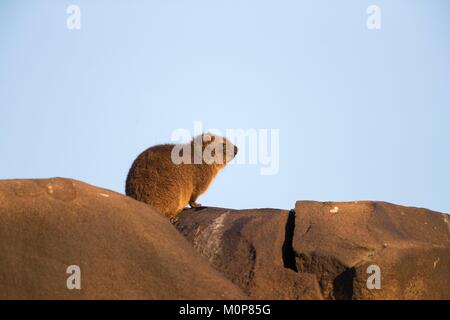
x=171 y=176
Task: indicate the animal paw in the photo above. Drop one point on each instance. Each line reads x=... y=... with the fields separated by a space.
x=195 y=204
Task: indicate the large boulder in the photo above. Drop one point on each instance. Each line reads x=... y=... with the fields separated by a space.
x=251 y=248
x=125 y=250
x=326 y=250
x=345 y=243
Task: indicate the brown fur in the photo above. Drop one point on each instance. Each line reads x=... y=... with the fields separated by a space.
x=155 y=179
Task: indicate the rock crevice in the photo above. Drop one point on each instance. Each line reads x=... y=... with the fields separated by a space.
x=287 y=249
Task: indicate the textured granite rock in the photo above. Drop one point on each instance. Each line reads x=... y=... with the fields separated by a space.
x=247 y=247
x=340 y=241
x=326 y=250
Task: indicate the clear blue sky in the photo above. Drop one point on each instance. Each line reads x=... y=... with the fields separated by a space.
x=362 y=114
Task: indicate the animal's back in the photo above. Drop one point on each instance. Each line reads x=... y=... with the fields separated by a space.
x=156 y=180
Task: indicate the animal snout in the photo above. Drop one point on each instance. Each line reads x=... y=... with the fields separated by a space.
x=235 y=150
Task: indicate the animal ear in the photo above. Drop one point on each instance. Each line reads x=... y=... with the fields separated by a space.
x=207 y=137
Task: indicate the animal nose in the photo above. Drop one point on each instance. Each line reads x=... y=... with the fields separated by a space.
x=235 y=150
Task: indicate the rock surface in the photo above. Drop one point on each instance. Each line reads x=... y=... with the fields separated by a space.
x=323 y=250
x=127 y=250
x=246 y=246
x=339 y=241
x=124 y=248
